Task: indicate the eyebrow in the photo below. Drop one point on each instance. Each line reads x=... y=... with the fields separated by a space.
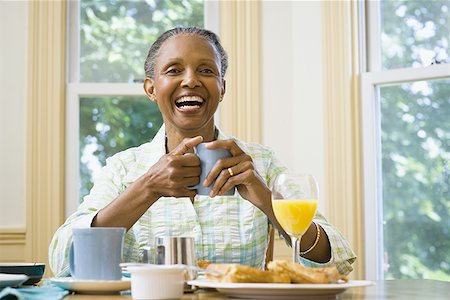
x=176 y=60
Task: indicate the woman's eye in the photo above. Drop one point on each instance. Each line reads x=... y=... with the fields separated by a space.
x=172 y=71
x=207 y=71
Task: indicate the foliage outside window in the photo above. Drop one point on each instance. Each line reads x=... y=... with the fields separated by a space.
x=115 y=35
x=414 y=33
x=415 y=142
x=109 y=125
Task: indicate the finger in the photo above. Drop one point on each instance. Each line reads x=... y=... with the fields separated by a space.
x=233 y=181
x=189 y=180
x=230 y=145
x=221 y=164
x=237 y=163
x=184 y=176
x=190 y=160
x=225 y=178
x=186 y=145
x=240 y=168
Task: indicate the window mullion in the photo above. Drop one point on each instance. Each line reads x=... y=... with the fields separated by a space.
x=374 y=36
x=108 y=89
x=212 y=15
x=72 y=149
x=411 y=74
x=372 y=178
x=73 y=42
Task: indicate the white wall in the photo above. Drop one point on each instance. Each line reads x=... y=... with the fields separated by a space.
x=292 y=85
x=13 y=76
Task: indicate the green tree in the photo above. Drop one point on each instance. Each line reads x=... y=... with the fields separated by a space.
x=109 y=125
x=114 y=40
x=116 y=35
x=415 y=140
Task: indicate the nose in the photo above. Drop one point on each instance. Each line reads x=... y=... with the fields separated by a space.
x=190 y=79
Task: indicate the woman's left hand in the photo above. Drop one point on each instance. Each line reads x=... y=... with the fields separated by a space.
x=238 y=171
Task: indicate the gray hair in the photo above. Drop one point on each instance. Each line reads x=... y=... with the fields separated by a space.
x=210 y=36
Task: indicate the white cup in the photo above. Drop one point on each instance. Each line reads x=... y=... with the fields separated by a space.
x=157 y=281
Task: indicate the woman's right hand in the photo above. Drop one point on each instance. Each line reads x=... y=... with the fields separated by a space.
x=170 y=177
x=175 y=172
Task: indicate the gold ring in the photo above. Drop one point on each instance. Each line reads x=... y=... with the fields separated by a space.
x=231 y=172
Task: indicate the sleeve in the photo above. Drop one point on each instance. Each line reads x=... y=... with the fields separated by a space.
x=342 y=255
x=107 y=187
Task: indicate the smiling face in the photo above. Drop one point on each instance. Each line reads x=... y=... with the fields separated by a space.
x=188 y=85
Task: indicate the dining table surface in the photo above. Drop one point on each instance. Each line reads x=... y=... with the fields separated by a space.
x=418 y=289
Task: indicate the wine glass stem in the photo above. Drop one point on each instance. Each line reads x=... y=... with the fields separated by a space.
x=295 y=248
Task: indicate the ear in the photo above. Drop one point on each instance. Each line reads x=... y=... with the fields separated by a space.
x=149 y=88
x=222 y=93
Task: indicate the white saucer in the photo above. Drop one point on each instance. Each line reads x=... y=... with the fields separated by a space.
x=12 y=279
x=92 y=286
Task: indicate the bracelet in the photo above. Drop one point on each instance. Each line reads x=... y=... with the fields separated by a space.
x=315 y=242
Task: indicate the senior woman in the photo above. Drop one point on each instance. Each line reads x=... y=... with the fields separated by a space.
x=146 y=189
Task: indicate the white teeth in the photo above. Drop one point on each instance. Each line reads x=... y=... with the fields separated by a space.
x=190 y=99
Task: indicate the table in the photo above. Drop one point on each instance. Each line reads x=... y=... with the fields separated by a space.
x=387 y=289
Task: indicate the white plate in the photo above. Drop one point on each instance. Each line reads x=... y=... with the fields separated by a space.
x=280 y=290
x=92 y=286
x=12 y=279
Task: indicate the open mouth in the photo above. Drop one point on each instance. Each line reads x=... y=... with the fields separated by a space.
x=189 y=102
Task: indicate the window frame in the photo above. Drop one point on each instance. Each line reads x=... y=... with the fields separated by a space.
x=76 y=90
x=371 y=79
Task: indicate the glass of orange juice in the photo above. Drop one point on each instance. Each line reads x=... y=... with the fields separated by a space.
x=294 y=201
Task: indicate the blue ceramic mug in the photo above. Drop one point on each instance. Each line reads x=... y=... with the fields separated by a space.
x=208 y=158
x=96 y=252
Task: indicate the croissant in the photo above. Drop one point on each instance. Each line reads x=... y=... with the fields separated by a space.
x=240 y=273
x=203 y=263
x=279 y=271
x=300 y=274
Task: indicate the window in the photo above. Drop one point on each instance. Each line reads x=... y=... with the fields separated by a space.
x=107 y=110
x=406 y=134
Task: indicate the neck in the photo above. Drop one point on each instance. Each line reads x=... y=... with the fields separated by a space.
x=175 y=137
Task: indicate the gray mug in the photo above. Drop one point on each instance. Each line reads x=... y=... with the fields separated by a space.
x=172 y=250
x=96 y=252
x=208 y=158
